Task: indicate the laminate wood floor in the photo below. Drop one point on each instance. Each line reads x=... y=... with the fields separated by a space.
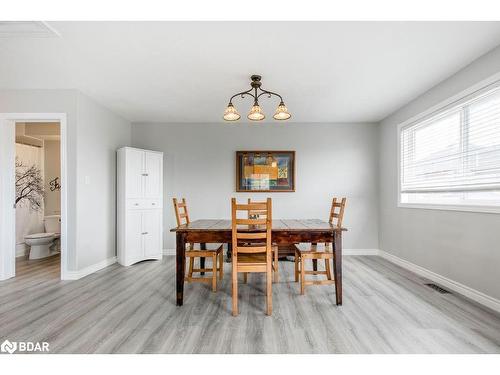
x=132 y=310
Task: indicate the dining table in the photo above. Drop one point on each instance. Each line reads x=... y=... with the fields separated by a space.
x=284 y=232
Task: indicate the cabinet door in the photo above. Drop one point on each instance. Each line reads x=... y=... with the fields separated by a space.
x=134 y=171
x=154 y=172
x=151 y=225
x=134 y=236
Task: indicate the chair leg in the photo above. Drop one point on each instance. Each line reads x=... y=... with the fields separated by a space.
x=327 y=262
x=245 y=277
x=214 y=272
x=276 y=265
x=191 y=266
x=269 y=289
x=302 y=275
x=235 y=288
x=327 y=268
x=221 y=265
x=297 y=260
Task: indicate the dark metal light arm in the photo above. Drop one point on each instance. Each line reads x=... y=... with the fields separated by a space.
x=256 y=86
x=270 y=93
x=256 y=96
x=243 y=93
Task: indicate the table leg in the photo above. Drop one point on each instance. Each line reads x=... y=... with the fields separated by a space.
x=315 y=261
x=337 y=265
x=203 y=246
x=229 y=252
x=180 y=266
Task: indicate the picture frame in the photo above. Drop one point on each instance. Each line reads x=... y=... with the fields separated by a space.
x=265 y=171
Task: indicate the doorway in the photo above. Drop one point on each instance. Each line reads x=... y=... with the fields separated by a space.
x=38 y=194
x=22 y=135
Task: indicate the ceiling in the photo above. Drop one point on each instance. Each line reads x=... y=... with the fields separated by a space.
x=186 y=71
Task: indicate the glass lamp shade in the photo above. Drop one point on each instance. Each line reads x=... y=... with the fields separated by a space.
x=231 y=114
x=282 y=112
x=256 y=113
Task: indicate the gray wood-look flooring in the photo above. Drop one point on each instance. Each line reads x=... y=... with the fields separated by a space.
x=386 y=309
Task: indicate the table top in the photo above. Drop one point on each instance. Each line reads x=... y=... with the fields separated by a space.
x=285 y=225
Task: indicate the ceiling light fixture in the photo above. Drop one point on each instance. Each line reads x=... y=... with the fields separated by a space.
x=256 y=113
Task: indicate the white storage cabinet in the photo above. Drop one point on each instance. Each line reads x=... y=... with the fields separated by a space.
x=139 y=205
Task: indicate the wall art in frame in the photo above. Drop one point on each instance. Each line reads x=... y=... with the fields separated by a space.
x=265 y=171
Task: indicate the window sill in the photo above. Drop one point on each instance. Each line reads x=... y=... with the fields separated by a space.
x=450 y=207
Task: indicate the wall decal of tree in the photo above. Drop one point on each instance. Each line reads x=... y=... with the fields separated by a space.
x=29 y=185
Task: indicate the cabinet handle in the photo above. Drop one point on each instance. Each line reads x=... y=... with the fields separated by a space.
x=153 y=204
x=136 y=204
x=145 y=174
x=144 y=233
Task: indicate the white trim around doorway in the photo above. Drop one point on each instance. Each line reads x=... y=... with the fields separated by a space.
x=7 y=184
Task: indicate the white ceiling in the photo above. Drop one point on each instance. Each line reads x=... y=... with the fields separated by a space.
x=186 y=71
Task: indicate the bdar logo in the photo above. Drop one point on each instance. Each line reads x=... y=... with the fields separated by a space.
x=8 y=347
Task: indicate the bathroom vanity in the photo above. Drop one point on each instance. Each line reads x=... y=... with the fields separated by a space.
x=139 y=205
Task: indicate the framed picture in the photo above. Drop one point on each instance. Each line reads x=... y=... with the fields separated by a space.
x=265 y=171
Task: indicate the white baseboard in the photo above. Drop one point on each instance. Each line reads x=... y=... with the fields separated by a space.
x=75 y=275
x=344 y=252
x=21 y=249
x=360 y=251
x=474 y=295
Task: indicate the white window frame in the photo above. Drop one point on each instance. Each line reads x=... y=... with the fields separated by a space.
x=446 y=105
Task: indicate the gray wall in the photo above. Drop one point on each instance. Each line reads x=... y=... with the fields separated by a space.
x=100 y=134
x=332 y=160
x=462 y=246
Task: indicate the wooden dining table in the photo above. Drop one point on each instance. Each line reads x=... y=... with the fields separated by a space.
x=284 y=232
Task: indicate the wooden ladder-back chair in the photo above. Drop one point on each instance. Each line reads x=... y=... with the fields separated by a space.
x=336 y=217
x=252 y=248
x=262 y=214
x=182 y=216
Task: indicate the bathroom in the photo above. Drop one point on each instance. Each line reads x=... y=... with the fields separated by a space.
x=38 y=193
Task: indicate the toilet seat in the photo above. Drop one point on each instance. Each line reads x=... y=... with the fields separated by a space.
x=35 y=236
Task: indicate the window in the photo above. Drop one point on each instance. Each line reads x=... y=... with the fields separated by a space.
x=453 y=157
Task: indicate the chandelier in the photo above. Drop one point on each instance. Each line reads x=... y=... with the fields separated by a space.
x=256 y=113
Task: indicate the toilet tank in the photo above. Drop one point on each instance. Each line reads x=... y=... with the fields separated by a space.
x=53 y=224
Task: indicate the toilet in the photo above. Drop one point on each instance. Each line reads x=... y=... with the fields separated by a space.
x=45 y=244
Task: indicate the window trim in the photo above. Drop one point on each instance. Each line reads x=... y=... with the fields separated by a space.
x=451 y=207
x=446 y=105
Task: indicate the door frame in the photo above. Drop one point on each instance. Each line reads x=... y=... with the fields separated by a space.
x=8 y=193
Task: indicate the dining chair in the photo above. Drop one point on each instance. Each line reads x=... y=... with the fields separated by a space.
x=182 y=216
x=336 y=217
x=252 y=248
x=258 y=214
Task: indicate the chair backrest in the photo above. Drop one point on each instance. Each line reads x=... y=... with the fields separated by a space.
x=261 y=214
x=337 y=211
x=181 y=212
x=251 y=235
